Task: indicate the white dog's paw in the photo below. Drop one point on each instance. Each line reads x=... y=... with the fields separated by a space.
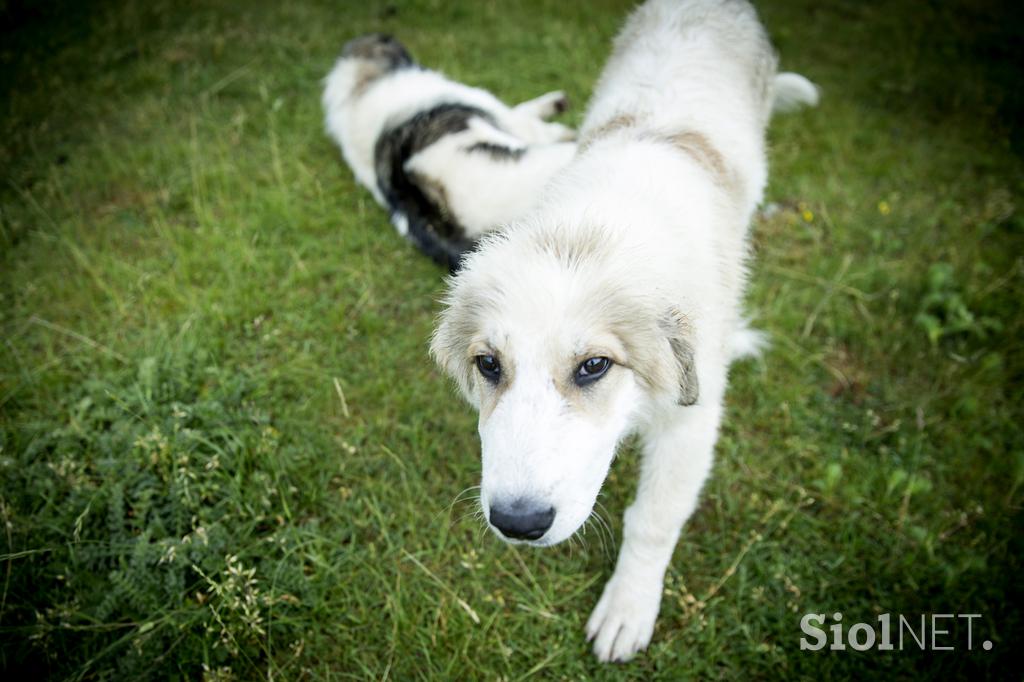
x=623 y=620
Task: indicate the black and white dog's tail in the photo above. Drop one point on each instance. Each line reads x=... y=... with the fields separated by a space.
x=424 y=235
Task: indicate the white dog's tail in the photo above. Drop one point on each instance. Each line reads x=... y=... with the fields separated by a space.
x=747 y=342
x=793 y=91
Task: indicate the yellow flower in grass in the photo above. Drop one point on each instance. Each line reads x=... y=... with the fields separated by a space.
x=884 y=208
x=805 y=212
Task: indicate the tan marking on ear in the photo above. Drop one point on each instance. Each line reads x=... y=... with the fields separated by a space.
x=679 y=331
x=659 y=350
x=457 y=325
x=689 y=388
x=459 y=334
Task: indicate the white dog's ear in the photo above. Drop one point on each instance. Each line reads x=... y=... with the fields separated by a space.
x=680 y=339
x=660 y=349
x=449 y=346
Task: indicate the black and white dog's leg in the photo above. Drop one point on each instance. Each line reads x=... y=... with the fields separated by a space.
x=677 y=459
x=527 y=120
x=545 y=106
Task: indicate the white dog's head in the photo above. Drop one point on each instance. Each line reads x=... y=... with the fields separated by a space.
x=563 y=348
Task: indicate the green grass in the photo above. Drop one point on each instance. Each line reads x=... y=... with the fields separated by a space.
x=224 y=452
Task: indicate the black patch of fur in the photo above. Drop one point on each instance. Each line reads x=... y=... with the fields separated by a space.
x=381 y=48
x=431 y=227
x=498 y=152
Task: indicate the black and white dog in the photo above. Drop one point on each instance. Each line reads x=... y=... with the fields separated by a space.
x=448 y=161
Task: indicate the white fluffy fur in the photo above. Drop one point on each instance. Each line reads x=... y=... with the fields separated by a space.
x=636 y=251
x=482 y=193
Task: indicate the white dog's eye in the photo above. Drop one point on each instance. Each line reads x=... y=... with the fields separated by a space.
x=489 y=367
x=591 y=369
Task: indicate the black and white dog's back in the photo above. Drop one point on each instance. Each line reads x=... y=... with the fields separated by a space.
x=448 y=161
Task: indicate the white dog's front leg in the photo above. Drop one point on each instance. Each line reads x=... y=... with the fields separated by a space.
x=677 y=460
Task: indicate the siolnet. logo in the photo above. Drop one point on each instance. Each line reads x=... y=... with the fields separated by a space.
x=925 y=632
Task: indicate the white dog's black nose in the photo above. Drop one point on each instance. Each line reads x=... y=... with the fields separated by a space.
x=522 y=520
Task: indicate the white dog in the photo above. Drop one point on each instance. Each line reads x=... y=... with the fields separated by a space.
x=448 y=161
x=615 y=306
